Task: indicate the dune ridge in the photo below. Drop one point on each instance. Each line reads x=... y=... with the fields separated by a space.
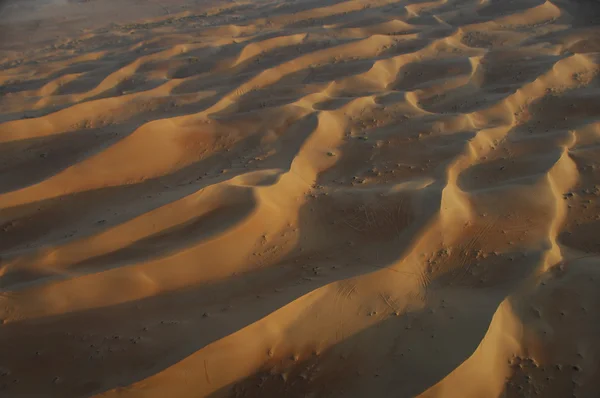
x=329 y=199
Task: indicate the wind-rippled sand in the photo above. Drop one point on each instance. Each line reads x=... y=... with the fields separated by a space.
x=301 y=199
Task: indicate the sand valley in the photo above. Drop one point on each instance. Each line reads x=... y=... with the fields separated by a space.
x=300 y=198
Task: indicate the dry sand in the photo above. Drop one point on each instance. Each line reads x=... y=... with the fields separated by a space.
x=300 y=198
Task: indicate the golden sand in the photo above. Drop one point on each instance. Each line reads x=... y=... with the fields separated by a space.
x=300 y=198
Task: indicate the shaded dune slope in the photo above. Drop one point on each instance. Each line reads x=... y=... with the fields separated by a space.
x=329 y=199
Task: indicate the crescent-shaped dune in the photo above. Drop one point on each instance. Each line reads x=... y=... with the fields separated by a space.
x=300 y=198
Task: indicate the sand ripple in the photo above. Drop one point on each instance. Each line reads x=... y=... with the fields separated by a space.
x=292 y=199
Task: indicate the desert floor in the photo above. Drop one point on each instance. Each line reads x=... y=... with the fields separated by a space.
x=300 y=198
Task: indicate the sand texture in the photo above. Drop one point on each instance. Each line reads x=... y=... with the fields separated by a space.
x=300 y=198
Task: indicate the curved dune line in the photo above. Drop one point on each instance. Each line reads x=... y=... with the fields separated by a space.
x=286 y=199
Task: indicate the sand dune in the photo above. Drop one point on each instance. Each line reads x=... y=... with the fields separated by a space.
x=299 y=198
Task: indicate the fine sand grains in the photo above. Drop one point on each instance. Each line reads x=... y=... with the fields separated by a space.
x=300 y=198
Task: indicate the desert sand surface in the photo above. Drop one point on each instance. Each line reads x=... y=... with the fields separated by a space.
x=299 y=198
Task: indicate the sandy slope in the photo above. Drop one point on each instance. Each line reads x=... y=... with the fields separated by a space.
x=300 y=198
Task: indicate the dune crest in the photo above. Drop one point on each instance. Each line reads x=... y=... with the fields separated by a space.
x=299 y=198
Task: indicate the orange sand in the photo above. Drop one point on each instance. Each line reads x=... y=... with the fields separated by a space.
x=299 y=198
